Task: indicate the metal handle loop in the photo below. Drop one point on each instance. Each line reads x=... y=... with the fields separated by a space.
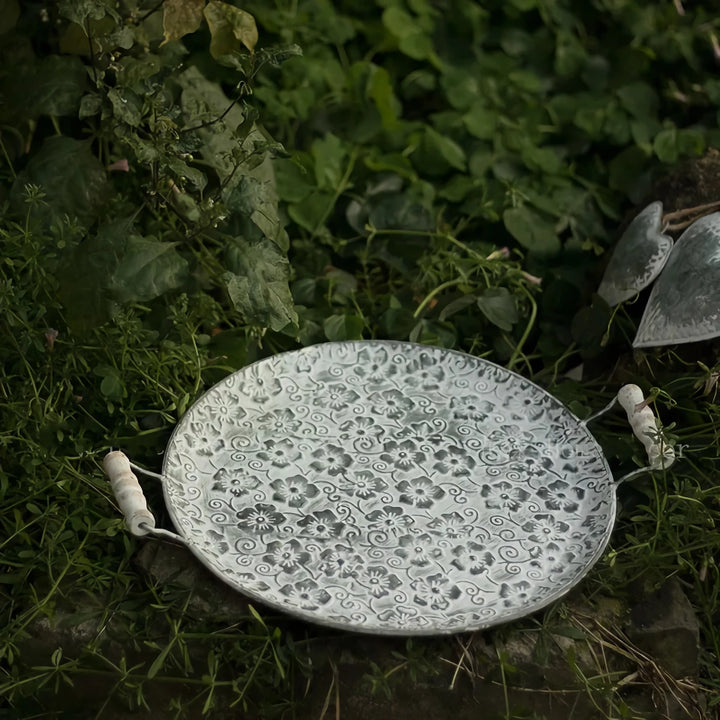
x=129 y=495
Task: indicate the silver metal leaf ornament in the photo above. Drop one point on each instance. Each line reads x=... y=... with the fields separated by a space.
x=684 y=305
x=638 y=258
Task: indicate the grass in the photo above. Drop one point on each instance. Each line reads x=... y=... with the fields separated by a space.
x=68 y=568
x=84 y=632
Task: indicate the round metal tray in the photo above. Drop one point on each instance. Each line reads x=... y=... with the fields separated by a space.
x=389 y=488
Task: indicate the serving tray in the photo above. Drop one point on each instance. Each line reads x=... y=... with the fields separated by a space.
x=389 y=488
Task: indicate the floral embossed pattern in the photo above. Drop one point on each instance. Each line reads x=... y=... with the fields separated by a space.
x=389 y=487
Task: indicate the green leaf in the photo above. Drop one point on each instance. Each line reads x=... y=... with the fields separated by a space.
x=230 y=27
x=258 y=284
x=399 y=23
x=628 y=172
x=52 y=86
x=531 y=230
x=147 y=269
x=447 y=148
x=181 y=17
x=481 y=121
x=344 y=327
x=329 y=155
x=311 y=212
x=541 y=159
x=90 y=105
x=58 y=84
x=461 y=86
x=83 y=275
x=457 y=305
x=639 y=99
x=256 y=200
x=569 y=54
x=412 y=38
x=498 y=306
x=73 y=180
x=417 y=45
x=589 y=327
x=229 y=146
x=665 y=145
x=292 y=181
x=690 y=142
x=127 y=105
x=380 y=91
x=111 y=387
x=81 y=10
x=430 y=332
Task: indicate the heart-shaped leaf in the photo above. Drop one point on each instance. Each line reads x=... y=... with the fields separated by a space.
x=684 y=305
x=638 y=258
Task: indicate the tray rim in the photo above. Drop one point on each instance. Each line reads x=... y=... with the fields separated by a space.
x=298 y=613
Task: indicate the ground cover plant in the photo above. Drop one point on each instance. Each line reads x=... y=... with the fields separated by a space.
x=188 y=186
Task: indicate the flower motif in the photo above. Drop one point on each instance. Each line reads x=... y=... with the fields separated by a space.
x=261 y=518
x=402 y=617
x=471 y=408
x=225 y=408
x=424 y=372
x=361 y=427
x=321 y=525
x=515 y=593
x=556 y=496
x=510 y=437
x=363 y=484
x=341 y=561
x=504 y=496
x=215 y=543
x=450 y=525
x=390 y=403
x=336 y=397
x=279 y=422
x=420 y=492
x=259 y=384
x=251 y=583
x=378 y=580
x=402 y=455
x=373 y=366
x=552 y=558
x=279 y=452
x=286 y=555
x=307 y=594
x=421 y=433
x=294 y=490
x=434 y=591
x=545 y=529
x=418 y=550
x=389 y=519
x=331 y=458
x=474 y=557
x=205 y=438
x=454 y=460
x=240 y=481
x=534 y=407
x=596 y=524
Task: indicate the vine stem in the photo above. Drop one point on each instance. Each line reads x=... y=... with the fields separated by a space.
x=531 y=322
x=341 y=188
x=428 y=298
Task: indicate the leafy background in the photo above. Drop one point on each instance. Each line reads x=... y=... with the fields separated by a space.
x=188 y=186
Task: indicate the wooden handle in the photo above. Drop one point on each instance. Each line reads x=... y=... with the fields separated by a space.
x=642 y=420
x=128 y=493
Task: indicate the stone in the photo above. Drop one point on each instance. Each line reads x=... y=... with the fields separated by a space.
x=174 y=565
x=663 y=625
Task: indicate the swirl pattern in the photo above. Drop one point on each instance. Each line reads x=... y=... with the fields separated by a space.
x=390 y=488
